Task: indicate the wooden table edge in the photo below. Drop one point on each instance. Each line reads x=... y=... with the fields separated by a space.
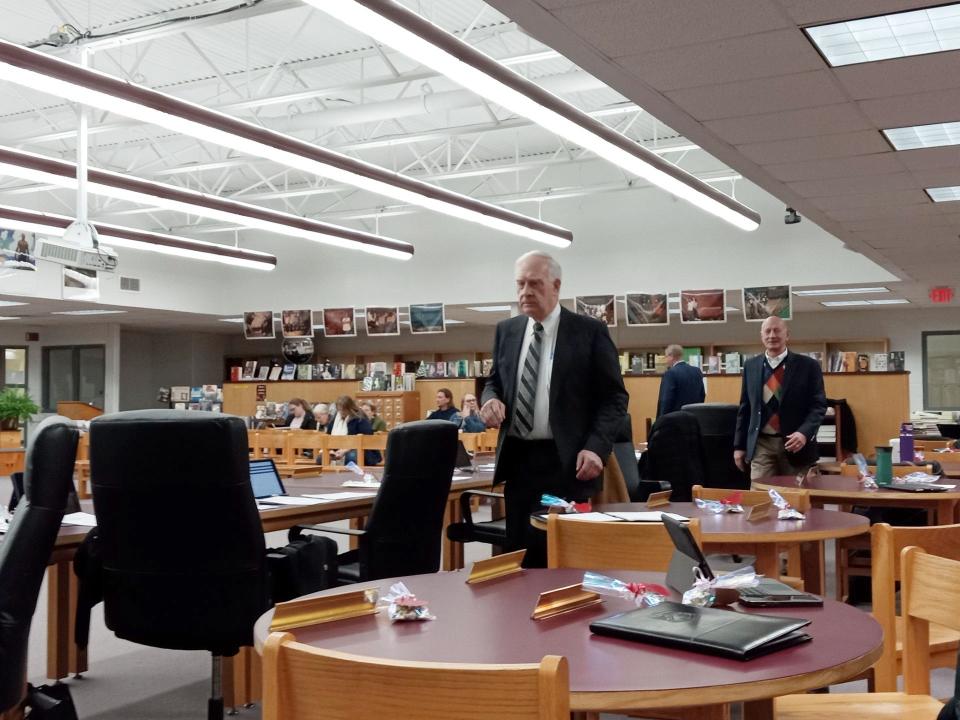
x=854 y=495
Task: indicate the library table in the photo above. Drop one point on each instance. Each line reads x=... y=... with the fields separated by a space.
x=490 y=623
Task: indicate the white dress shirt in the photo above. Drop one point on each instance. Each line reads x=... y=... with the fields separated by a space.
x=774 y=362
x=541 y=405
x=339 y=425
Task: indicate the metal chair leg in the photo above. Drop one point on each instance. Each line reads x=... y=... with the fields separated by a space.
x=215 y=703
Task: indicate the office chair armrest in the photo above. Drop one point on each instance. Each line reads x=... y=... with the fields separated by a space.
x=297 y=530
x=648 y=487
x=465 y=496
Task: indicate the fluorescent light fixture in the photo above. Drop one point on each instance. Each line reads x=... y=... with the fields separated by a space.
x=844 y=303
x=841 y=291
x=417 y=38
x=115 y=236
x=490 y=308
x=65 y=80
x=88 y=312
x=532 y=57
x=914 y=137
x=890 y=301
x=8 y=317
x=46 y=170
x=448 y=321
x=950 y=193
x=235 y=320
x=11 y=303
x=912 y=32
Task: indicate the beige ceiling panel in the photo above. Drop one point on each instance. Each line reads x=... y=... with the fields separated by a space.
x=916 y=109
x=781 y=52
x=940 y=177
x=554 y=4
x=758 y=97
x=916 y=240
x=624 y=27
x=881 y=163
x=901 y=213
x=808 y=122
x=901 y=76
x=810 y=12
x=903 y=225
x=930 y=158
x=889 y=198
x=863 y=142
x=853 y=186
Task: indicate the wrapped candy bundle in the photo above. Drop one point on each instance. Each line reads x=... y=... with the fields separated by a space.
x=403 y=605
x=785 y=511
x=644 y=595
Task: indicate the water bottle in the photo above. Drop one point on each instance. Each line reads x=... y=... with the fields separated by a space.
x=906 y=442
x=884 y=474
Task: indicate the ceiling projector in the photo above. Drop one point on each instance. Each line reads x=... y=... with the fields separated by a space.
x=79 y=247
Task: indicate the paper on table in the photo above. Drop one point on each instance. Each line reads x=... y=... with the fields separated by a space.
x=360 y=484
x=332 y=497
x=646 y=516
x=80 y=518
x=289 y=500
x=590 y=517
x=487 y=466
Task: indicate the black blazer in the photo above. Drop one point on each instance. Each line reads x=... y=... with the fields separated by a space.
x=680 y=385
x=587 y=397
x=309 y=421
x=803 y=404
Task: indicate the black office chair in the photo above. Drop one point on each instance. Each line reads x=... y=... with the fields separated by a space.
x=492 y=532
x=27 y=544
x=180 y=538
x=674 y=454
x=638 y=490
x=718 y=423
x=403 y=532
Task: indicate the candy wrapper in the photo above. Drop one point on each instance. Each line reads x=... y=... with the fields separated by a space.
x=866 y=479
x=643 y=595
x=357 y=470
x=729 y=504
x=558 y=504
x=706 y=591
x=403 y=605
x=785 y=511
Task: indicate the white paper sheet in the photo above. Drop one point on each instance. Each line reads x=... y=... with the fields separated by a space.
x=360 y=484
x=646 y=516
x=80 y=518
x=288 y=500
x=589 y=517
x=333 y=497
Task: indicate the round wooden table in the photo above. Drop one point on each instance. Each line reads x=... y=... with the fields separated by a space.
x=490 y=623
x=847 y=490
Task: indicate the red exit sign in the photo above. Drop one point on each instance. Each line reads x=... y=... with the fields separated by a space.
x=941 y=294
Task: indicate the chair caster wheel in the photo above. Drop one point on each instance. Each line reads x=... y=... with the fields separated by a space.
x=247 y=706
x=233 y=711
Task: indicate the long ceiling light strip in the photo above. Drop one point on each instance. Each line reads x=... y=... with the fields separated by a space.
x=41 y=169
x=42 y=72
x=47 y=223
x=410 y=34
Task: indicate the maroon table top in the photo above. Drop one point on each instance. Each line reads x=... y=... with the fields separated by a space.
x=845 y=486
x=734 y=527
x=490 y=623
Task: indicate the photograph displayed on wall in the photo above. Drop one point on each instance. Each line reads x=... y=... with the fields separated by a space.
x=759 y=303
x=16 y=247
x=700 y=306
x=426 y=319
x=258 y=325
x=644 y=309
x=339 y=322
x=599 y=307
x=296 y=323
x=80 y=284
x=383 y=321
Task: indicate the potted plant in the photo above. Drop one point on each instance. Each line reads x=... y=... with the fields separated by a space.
x=15 y=407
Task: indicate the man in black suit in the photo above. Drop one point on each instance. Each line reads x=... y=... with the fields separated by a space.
x=557 y=396
x=782 y=404
x=681 y=384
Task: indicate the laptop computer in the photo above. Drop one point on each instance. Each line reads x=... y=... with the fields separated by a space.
x=464 y=461
x=680 y=575
x=949 y=430
x=265 y=480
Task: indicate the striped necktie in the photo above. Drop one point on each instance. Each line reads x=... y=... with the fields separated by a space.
x=527 y=392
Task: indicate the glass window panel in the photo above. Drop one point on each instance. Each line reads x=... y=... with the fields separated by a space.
x=61 y=383
x=941 y=371
x=92 y=373
x=15 y=366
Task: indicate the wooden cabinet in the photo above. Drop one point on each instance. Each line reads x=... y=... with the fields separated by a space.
x=394 y=407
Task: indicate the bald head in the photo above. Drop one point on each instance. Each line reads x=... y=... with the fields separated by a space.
x=774 y=335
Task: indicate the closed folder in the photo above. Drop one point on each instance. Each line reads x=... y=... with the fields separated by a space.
x=741 y=636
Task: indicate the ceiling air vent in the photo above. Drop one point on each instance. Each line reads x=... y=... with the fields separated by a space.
x=130 y=284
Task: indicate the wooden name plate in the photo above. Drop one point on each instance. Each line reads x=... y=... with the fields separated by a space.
x=760 y=512
x=496 y=567
x=564 y=600
x=659 y=498
x=313 y=611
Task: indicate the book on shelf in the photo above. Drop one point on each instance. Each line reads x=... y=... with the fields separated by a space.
x=895 y=361
x=651 y=361
x=487 y=366
x=452 y=368
x=731 y=363
x=848 y=362
x=179 y=406
x=624 y=363
x=249 y=370
x=196 y=393
x=305 y=372
x=236 y=373
x=878 y=362
x=713 y=364
x=367 y=383
x=274 y=374
x=863 y=362
x=816 y=355
x=263 y=372
x=463 y=368
x=660 y=363
x=636 y=364
x=289 y=371
x=180 y=393
x=399 y=368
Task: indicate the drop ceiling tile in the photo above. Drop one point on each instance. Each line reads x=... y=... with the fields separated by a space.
x=898 y=212
x=885 y=199
x=760 y=96
x=862 y=142
x=901 y=76
x=917 y=240
x=941 y=177
x=880 y=163
x=622 y=27
x=818 y=12
x=916 y=109
x=807 y=122
x=853 y=186
x=930 y=158
x=780 y=52
x=554 y=4
x=901 y=225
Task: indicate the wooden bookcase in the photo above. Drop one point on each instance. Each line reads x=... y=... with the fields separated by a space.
x=394 y=407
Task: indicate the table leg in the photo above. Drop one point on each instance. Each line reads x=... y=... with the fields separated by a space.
x=241 y=678
x=63 y=655
x=452 y=551
x=768 y=559
x=758 y=709
x=813 y=571
x=356 y=524
x=945 y=512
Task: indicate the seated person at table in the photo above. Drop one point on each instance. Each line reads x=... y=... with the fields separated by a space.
x=471 y=421
x=376 y=422
x=446 y=410
x=300 y=416
x=350 y=420
x=321 y=413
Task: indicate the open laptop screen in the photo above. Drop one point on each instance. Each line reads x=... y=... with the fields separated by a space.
x=264 y=479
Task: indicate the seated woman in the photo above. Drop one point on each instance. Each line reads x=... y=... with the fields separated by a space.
x=300 y=417
x=350 y=420
x=321 y=413
x=376 y=422
x=446 y=410
x=472 y=422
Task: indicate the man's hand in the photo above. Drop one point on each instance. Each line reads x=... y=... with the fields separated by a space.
x=493 y=412
x=589 y=465
x=794 y=442
x=740 y=459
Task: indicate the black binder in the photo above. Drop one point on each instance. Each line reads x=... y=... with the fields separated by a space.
x=741 y=636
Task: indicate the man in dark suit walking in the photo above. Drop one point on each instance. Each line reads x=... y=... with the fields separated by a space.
x=681 y=384
x=557 y=396
x=782 y=403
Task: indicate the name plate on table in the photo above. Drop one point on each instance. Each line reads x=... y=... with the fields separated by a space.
x=496 y=567
x=760 y=512
x=564 y=600
x=659 y=498
x=313 y=611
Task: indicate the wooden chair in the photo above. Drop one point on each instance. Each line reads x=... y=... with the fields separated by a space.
x=345 y=442
x=271 y=444
x=931 y=594
x=887 y=544
x=303 y=682
x=488 y=441
x=931 y=445
x=82 y=467
x=377 y=441
x=799 y=498
x=306 y=447
x=614 y=486
x=471 y=441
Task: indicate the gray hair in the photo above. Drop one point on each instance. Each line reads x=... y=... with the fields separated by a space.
x=321 y=408
x=553 y=267
x=674 y=351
